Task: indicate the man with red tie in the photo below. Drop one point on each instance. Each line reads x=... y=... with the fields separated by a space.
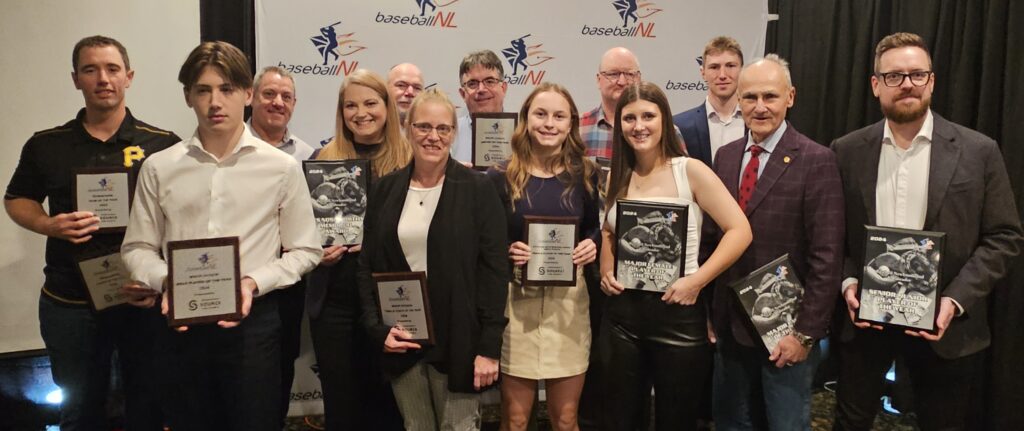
x=790 y=190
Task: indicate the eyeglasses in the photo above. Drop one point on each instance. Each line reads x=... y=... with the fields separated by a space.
x=614 y=76
x=474 y=84
x=895 y=79
x=424 y=129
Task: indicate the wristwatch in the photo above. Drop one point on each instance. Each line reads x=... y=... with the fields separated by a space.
x=805 y=340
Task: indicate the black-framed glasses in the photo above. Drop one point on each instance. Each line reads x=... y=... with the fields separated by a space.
x=474 y=84
x=443 y=130
x=895 y=79
x=630 y=75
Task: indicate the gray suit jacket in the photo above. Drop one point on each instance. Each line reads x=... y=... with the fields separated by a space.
x=969 y=198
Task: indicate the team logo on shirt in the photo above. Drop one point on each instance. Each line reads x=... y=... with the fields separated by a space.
x=333 y=50
x=524 y=58
x=431 y=13
x=132 y=154
x=636 y=20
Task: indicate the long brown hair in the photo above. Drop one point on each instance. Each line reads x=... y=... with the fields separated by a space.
x=576 y=169
x=395 y=151
x=623 y=157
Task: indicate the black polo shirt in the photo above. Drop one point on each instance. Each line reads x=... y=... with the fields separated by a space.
x=45 y=171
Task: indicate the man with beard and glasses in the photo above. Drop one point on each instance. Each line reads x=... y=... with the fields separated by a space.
x=917 y=170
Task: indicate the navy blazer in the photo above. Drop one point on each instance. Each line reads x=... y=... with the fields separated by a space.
x=693 y=125
x=467 y=271
x=796 y=208
x=969 y=198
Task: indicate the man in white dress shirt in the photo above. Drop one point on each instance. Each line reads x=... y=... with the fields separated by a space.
x=222 y=182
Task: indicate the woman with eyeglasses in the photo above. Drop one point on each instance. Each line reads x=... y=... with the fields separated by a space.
x=548 y=335
x=355 y=394
x=652 y=337
x=438 y=216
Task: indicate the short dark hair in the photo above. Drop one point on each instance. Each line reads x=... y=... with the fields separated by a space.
x=98 y=42
x=899 y=40
x=486 y=58
x=230 y=61
x=722 y=44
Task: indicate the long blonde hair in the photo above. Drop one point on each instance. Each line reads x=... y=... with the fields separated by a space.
x=576 y=169
x=395 y=151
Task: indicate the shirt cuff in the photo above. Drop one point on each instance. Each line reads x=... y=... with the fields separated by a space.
x=265 y=280
x=959 y=308
x=847 y=283
x=156 y=279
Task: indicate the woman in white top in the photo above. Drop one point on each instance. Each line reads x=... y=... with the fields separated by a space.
x=442 y=218
x=651 y=337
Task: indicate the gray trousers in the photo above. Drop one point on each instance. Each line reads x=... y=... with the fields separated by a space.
x=427 y=404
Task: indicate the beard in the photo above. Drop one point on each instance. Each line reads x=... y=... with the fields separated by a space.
x=906 y=114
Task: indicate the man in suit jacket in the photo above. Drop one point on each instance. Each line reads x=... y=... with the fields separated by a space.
x=916 y=170
x=790 y=190
x=717 y=121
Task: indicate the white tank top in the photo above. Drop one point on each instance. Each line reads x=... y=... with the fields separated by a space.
x=695 y=215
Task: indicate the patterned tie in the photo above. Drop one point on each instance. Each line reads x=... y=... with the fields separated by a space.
x=749 y=176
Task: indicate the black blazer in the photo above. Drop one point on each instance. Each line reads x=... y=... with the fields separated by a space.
x=969 y=198
x=467 y=271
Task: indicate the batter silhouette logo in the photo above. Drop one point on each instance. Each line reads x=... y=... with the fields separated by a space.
x=524 y=57
x=334 y=53
x=428 y=13
x=106 y=184
x=636 y=18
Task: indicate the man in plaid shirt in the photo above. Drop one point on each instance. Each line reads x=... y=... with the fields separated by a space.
x=619 y=68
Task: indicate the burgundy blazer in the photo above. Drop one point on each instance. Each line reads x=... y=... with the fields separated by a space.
x=797 y=208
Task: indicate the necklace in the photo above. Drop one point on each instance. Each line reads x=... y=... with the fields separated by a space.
x=422 y=194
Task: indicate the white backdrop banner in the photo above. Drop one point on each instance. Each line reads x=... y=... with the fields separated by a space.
x=322 y=41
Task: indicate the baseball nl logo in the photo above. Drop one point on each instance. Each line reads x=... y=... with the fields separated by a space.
x=636 y=19
x=334 y=49
x=437 y=16
x=523 y=57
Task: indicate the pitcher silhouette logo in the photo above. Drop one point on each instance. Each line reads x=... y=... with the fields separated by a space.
x=636 y=18
x=106 y=264
x=106 y=184
x=207 y=262
x=436 y=16
x=334 y=53
x=524 y=58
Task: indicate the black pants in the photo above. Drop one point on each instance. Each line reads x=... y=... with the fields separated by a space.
x=645 y=343
x=356 y=396
x=945 y=390
x=291 y=309
x=226 y=379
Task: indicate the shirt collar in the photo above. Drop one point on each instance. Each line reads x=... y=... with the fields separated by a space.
x=768 y=144
x=125 y=132
x=923 y=136
x=712 y=113
x=247 y=140
x=288 y=139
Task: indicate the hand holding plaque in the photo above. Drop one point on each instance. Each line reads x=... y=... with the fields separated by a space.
x=203 y=281
x=551 y=241
x=107 y=193
x=404 y=304
x=492 y=138
x=103 y=276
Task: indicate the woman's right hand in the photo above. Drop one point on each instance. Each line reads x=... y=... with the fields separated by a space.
x=333 y=254
x=519 y=253
x=609 y=285
x=394 y=344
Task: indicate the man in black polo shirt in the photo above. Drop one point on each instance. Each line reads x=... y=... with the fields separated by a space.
x=79 y=340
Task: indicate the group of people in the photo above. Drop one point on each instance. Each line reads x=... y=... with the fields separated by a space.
x=756 y=189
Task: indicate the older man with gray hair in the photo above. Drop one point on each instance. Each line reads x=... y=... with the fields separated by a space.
x=789 y=188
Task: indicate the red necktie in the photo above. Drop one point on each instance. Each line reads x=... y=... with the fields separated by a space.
x=749 y=179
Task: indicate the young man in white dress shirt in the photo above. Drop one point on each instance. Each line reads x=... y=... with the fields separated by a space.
x=222 y=182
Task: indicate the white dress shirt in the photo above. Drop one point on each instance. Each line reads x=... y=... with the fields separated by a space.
x=901 y=193
x=256 y=193
x=722 y=131
x=462 y=149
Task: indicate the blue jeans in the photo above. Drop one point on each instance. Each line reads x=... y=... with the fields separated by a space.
x=80 y=343
x=751 y=393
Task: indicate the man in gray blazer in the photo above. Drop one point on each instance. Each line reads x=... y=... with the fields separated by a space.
x=916 y=170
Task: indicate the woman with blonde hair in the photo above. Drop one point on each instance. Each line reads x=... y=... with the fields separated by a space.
x=355 y=397
x=548 y=335
x=442 y=218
